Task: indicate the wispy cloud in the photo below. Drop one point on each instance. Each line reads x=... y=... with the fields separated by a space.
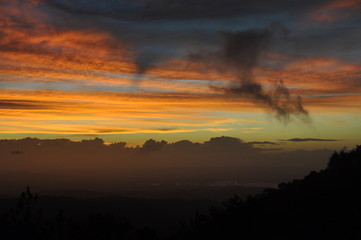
x=310 y=140
x=265 y=143
x=336 y=10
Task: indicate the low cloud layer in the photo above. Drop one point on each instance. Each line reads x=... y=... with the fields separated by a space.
x=92 y=165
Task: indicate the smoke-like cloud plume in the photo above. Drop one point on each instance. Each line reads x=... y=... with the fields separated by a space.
x=240 y=54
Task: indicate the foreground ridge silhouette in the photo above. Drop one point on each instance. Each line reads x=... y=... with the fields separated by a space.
x=323 y=205
x=26 y=221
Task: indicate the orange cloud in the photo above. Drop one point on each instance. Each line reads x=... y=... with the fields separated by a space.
x=337 y=4
x=64 y=51
x=67 y=112
x=336 y=10
x=334 y=104
x=47 y=48
x=317 y=76
x=103 y=113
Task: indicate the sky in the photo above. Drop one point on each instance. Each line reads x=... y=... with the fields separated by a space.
x=278 y=74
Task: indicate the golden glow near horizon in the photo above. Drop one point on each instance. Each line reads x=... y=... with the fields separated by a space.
x=83 y=82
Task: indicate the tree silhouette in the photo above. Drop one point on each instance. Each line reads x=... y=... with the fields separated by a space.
x=322 y=205
x=26 y=221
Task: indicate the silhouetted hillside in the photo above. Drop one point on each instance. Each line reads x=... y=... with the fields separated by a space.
x=325 y=204
x=322 y=205
x=30 y=212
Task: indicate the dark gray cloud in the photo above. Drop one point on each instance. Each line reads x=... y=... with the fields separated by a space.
x=33 y=104
x=240 y=53
x=22 y=104
x=342 y=41
x=133 y=24
x=310 y=140
x=240 y=50
x=145 y=10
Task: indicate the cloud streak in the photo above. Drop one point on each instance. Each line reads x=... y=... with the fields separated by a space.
x=265 y=143
x=310 y=140
x=140 y=10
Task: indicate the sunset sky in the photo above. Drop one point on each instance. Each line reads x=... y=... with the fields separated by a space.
x=129 y=70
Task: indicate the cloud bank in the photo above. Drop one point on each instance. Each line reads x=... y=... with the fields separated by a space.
x=92 y=165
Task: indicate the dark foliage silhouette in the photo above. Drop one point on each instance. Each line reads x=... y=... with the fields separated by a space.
x=323 y=205
x=26 y=221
